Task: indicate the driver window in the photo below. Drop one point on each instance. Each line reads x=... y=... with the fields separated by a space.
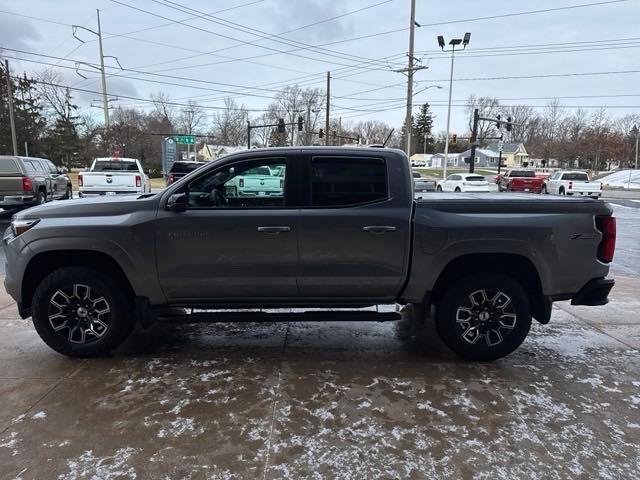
x=248 y=184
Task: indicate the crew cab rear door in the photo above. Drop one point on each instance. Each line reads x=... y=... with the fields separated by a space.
x=354 y=228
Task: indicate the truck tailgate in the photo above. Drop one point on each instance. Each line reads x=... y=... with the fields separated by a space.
x=109 y=181
x=11 y=185
x=585 y=187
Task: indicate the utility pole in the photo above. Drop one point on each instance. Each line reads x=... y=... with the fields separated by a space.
x=635 y=131
x=474 y=140
x=105 y=101
x=328 y=106
x=12 y=120
x=412 y=31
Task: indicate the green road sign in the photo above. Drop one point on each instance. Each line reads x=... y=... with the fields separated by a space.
x=185 y=139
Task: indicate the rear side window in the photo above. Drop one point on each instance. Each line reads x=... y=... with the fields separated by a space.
x=345 y=181
x=8 y=165
x=32 y=166
x=52 y=168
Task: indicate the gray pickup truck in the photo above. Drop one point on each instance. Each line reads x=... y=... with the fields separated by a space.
x=344 y=231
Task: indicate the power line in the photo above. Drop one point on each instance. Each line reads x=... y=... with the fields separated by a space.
x=228 y=37
x=145 y=100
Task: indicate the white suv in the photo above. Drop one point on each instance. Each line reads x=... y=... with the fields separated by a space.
x=464 y=182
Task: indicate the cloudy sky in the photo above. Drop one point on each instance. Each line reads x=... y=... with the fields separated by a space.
x=231 y=51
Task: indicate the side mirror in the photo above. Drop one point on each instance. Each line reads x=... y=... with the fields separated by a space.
x=177 y=202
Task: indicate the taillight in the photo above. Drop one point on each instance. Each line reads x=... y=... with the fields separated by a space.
x=138 y=181
x=79 y=180
x=170 y=179
x=241 y=182
x=27 y=184
x=570 y=185
x=607 y=247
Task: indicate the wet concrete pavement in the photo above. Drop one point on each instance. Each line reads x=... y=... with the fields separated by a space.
x=323 y=400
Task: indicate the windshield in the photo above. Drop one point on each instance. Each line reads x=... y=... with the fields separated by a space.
x=115 y=166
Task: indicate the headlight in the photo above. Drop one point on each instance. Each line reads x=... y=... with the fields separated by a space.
x=20 y=226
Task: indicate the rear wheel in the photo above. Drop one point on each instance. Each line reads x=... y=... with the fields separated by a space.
x=484 y=316
x=544 y=190
x=81 y=312
x=41 y=197
x=68 y=194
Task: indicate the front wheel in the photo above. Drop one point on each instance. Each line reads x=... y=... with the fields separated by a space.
x=439 y=188
x=484 y=316
x=68 y=194
x=544 y=190
x=457 y=190
x=81 y=312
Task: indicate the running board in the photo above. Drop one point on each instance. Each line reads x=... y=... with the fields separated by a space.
x=253 y=316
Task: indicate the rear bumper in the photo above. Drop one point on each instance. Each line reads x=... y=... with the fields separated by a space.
x=110 y=192
x=597 y=193
x=17 y=200
x=594 y=293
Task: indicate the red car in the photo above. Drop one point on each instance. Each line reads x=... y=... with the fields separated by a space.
x=520 y=181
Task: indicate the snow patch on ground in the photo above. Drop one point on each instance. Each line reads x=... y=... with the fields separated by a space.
x=110 y=467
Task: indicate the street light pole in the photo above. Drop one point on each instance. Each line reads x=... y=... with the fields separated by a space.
x=454 y=42
x=635 y=131
x=446 y=141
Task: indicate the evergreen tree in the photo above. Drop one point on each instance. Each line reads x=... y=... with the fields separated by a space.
x=30 y=123
x=422 y=135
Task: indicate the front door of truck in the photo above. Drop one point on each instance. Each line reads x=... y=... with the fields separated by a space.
x=353 y=233
x=231 y=243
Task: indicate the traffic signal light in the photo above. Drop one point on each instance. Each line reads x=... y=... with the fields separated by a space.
x=509 y=126
x=454 y=139
x=321 y=133
x=282 y=128
x=300 y=123
x=498 y=123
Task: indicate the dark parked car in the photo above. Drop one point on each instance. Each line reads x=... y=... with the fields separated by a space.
x=27 y=181
x=182 y=168
x=344 y=231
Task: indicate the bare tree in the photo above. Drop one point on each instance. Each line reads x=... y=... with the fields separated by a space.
x=163 y=107
x=229 y=125
x=56 y=100
x=487 y=107
x=191 y=118
x=372 y=131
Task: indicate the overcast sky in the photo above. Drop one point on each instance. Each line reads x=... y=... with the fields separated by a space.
x=598 y=38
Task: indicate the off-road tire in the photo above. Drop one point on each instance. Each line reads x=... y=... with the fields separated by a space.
x=120 y=320
x=457 y=297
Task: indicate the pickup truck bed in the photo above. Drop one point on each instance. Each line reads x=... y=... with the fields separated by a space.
x=343 y=231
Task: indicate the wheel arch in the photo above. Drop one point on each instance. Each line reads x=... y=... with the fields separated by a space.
x=515 y=266
x=42 y=264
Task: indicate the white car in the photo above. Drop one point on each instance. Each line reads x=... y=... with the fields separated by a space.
x=572 y=183
x=463 y=182
x=113 y=176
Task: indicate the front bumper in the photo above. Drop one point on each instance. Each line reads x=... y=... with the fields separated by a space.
x=594 y=293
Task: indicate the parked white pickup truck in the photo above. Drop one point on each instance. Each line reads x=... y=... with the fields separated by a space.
x=572 y=183
x=113 y=176
x=259 y=181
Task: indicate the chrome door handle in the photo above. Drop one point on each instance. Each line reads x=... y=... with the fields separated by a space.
x=378 y=229
x=274 y=230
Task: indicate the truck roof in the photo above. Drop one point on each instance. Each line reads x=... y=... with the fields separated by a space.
x=115 y=159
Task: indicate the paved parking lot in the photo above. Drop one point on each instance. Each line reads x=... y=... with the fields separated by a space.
x=324 y=400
